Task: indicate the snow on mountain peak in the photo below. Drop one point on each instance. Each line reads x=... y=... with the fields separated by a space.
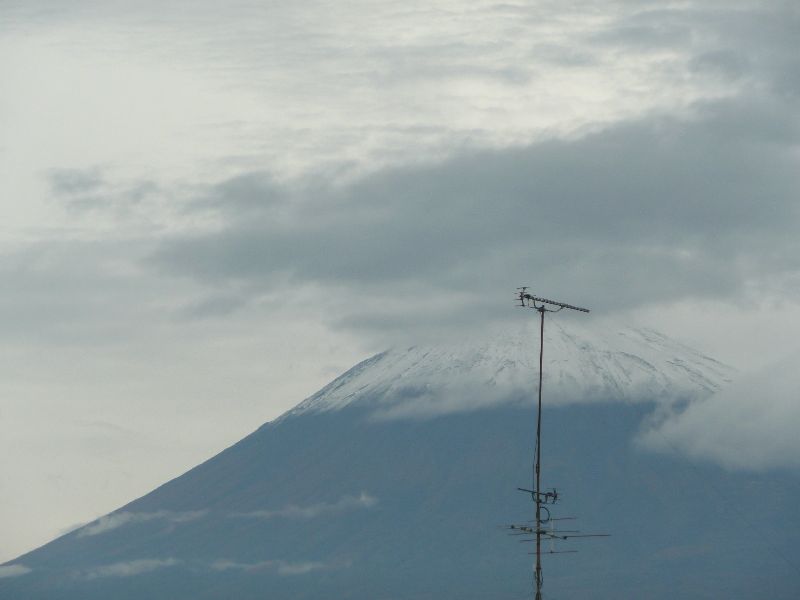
x=599 y=362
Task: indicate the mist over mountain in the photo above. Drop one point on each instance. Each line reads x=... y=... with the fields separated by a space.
x=395 y=481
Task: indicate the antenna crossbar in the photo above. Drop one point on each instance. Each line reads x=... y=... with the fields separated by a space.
x=529 y=301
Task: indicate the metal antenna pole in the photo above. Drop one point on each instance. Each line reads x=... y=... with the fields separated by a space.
x=542 y=498
x=538 y=455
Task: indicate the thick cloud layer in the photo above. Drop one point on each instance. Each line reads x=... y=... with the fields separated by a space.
x=653 y=211
x=751 y=425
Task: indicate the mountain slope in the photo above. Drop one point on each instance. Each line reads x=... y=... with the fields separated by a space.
x=392 y=481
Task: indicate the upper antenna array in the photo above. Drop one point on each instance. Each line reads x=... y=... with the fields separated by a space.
x=530 y=301
x=545 y=524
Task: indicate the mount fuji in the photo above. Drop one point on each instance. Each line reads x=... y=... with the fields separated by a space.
x=397 y=479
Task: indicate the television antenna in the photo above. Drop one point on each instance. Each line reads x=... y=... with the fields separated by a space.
x=544 y=527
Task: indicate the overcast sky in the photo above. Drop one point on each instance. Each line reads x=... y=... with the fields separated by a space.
x=211 y=209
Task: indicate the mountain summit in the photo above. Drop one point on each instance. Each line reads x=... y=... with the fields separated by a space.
x=395 y=480
x=581 y=364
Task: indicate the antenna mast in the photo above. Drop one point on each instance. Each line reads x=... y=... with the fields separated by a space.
x=545 y=526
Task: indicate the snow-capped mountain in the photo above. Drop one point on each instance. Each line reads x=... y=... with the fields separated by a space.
x=394 y=482
x=581 y=364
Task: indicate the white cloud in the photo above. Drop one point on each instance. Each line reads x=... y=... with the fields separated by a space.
x=300 y=568
x=750 y=425
x=292 y=511
x=127 y=568
x=113 y=521
x=71 y=528
x=14 y=570
x=281 y=567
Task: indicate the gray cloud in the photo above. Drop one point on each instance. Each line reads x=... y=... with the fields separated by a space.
x=57 y=289
x=76 y=181
x=751 y=39
x=91 y=190
x=243 y=195
x=213 y=305
x=731 y=65
x=663 y=208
